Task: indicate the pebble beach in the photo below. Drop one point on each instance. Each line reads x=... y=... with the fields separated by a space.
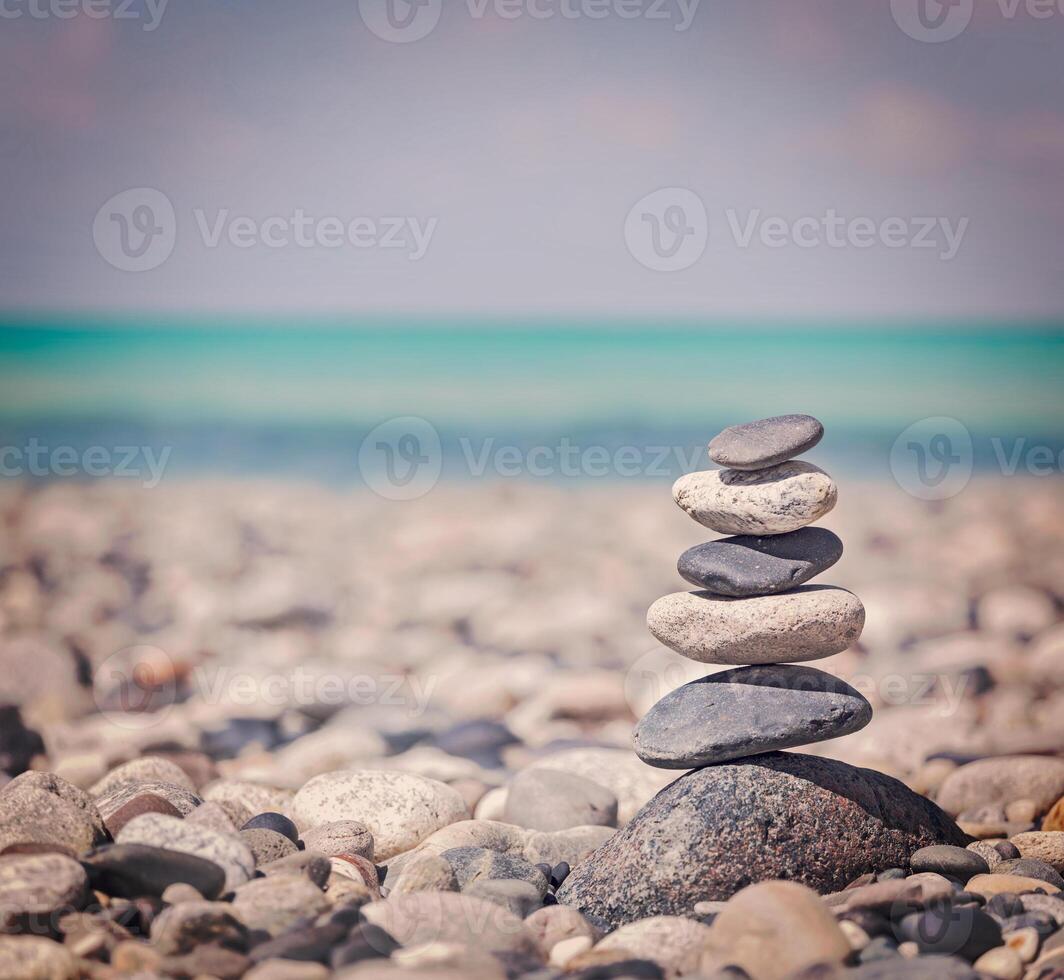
x=275 y=730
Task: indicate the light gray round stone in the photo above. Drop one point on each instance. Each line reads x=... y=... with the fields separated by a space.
x=147 y=769
x=400 y=809
x=772 y=501
x=745 y=712
x=808 y=623
x=35 y=889
x=766 y=442
x=549 y=800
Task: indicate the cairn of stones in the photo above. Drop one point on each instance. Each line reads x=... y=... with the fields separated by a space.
x=753 y=611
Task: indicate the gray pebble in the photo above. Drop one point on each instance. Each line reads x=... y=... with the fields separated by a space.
x=745 y=712
x=267 y=845
x=549 y=800
x=766 y=442
x=746 y=565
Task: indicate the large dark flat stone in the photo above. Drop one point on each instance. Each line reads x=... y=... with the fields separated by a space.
x=747 y=711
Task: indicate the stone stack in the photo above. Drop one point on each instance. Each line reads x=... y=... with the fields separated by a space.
x=746 y=811
x=753 y=607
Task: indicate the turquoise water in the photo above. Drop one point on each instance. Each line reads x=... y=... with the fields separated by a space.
x=297 y=397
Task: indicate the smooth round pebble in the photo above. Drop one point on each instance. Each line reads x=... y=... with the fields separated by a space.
x=400 y=809
x=277 y=822
x=808 y=623
x=36 y=888
x=516 y=896
x=1031 y=868
x=996 y=884
x=137 y=806
x=48 y=782
x=147 y=769
x=549 y=800
x=951 y=930
x=747 y=565
x=775 y=929
x=953 y=862
x=228 y=851
x=139 y=870
x=766 y=442
x=276 y=903
x=1002 y=963
x=777 y=500
x=182 y=928
x=32 y=815
x=427 y=917
x=473 y=864
x=425 y=873
x=181 y=799
x=746 y=711
x=1001 y=780
x=267 y=845
x=340 y=837
x=1042 y=845
x=673 y=942
x=35 y=958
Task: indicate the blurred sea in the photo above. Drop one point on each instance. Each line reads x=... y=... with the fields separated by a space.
x=295 y=398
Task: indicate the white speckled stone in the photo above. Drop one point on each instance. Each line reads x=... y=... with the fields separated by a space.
x=399 y=809
x=772 y=501
x=809 y=623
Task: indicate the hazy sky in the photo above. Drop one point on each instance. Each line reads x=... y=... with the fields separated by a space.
x=843 y=167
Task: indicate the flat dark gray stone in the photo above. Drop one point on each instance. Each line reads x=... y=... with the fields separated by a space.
x=747 y=711
x=138 y=870
x=749 y=565
x=766 y=442
x=784 y=815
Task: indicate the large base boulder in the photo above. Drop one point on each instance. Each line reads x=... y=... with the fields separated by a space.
x=779 y=815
